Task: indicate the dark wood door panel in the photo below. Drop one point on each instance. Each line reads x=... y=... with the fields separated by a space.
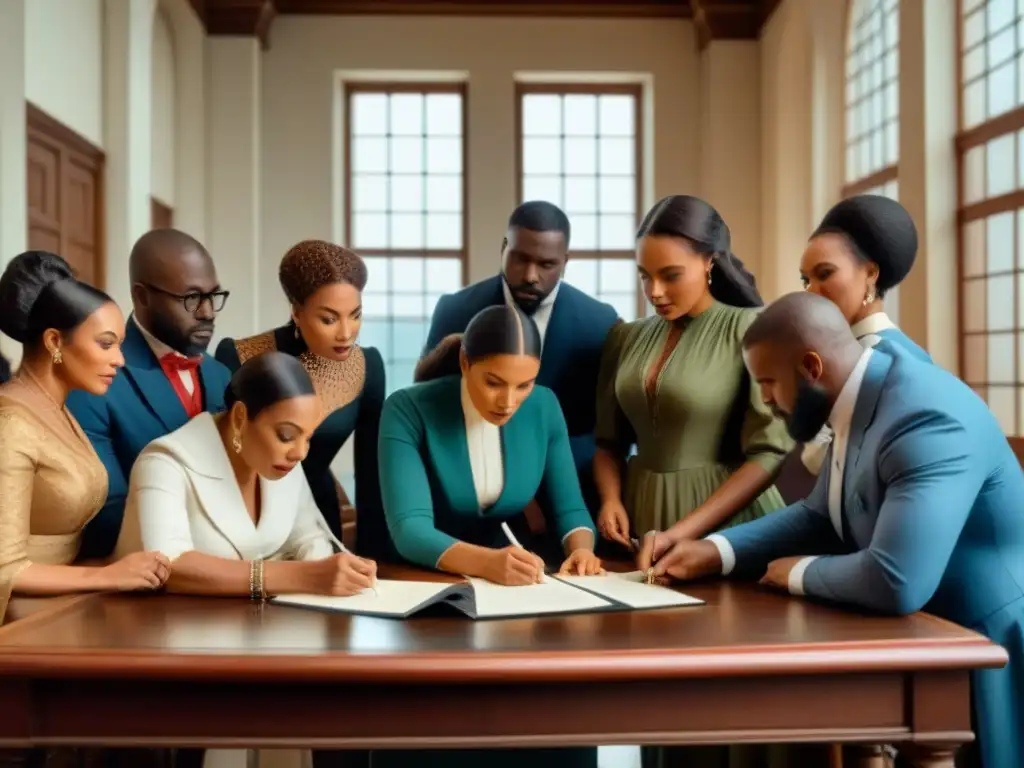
x=161 y=214
x=65 y=195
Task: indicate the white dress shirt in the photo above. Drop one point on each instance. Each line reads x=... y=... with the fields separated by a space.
x=542 y=315
x=486 y=460
x=866 y=332
x=183 y=497
x=486 y=457
x=840 y=420
x=160 y=349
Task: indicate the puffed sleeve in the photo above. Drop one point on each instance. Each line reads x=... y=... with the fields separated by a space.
x=19 y=439
x=763 y=437
x=612 y=430
x=157 y=506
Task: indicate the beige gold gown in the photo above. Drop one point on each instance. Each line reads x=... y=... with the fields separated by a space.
x=51 y=482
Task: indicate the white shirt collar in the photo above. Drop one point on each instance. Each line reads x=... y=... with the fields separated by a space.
x=545 y=304
x=158 y=347
x=842 y=410
x=469 y=411
x=872 y=324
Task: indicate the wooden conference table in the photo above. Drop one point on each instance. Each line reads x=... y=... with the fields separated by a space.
x=750 y=666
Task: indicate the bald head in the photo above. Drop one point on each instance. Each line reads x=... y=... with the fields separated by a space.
x=174 y=287
x=800 y=351
x=161 y=249
x=801 y=321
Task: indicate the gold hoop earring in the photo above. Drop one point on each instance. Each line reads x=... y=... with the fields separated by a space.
x=236 y=442
x=58 y=358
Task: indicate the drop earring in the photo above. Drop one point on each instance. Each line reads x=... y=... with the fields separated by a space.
x=296 y=332
x=709 y=277
x=58 y=358
x=870 y=297
x=236 y=442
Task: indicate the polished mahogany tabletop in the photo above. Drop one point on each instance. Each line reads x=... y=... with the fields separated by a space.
x=750 y=666
x=742 y=628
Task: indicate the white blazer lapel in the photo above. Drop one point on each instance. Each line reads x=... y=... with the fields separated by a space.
x=280 y=500
x=198 y=447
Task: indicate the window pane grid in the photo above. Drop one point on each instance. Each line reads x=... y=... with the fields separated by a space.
x=579 y=151
x=991 y=59
x=992 y=217
x=872 y=88
x=610 y=279
x=405 y=212
x=578 y=148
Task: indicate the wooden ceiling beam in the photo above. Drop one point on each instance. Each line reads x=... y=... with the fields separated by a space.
x=539 y=8
x=243 y=18
x=714 y=19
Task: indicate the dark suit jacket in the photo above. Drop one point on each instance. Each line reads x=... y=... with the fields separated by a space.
x=573 y=342
x=140 y=406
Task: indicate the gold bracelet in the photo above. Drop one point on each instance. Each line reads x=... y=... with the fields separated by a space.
x=255 y=579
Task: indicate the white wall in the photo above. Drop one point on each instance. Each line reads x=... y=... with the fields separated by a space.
x=64 y=62
x=300 y=98
x=164 y=116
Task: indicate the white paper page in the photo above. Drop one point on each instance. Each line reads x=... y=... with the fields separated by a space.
x=550 y=596
x=630 y=589
x=393 y=598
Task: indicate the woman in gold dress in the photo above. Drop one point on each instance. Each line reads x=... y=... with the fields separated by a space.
x=51 y=480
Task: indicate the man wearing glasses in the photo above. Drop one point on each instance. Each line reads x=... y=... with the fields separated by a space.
x=167 y=378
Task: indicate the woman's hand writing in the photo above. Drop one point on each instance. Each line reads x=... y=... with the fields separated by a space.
x=137 y=571
x=514 y=567
x=342 y=574
x=582 y=562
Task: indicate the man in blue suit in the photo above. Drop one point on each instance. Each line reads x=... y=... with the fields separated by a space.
x=167 y=377
x=920 y=504
x=573 y=326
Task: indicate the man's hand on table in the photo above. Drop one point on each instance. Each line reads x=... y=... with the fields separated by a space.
x=777 y=575
x=682 y=561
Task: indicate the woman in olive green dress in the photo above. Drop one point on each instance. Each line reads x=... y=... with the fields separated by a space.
x=674 y=386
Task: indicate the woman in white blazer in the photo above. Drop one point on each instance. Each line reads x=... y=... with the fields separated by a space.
x=222 y=499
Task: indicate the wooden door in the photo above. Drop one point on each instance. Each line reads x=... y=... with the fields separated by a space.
x=65 y=196
x=161 y=214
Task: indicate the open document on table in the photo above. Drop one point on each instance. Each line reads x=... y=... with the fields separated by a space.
x=480 y=599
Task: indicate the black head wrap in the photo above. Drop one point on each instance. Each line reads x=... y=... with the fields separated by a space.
x=879 y=230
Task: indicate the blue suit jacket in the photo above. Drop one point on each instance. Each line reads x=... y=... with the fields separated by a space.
x=140 y=406
x=573 y=343
x=932 y=518
x=899 y=338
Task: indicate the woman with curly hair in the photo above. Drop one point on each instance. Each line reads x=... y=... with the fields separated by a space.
x=324 y=283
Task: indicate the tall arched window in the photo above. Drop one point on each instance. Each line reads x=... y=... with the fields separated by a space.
x=873 y=105
x=990 y=146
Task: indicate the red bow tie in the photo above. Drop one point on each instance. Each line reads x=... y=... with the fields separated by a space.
x=172 y=361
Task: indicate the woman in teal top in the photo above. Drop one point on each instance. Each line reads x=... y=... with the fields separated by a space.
x=465 y=450
x=462 y=452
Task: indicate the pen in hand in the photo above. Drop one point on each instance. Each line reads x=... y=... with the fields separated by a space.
x=513 y=540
